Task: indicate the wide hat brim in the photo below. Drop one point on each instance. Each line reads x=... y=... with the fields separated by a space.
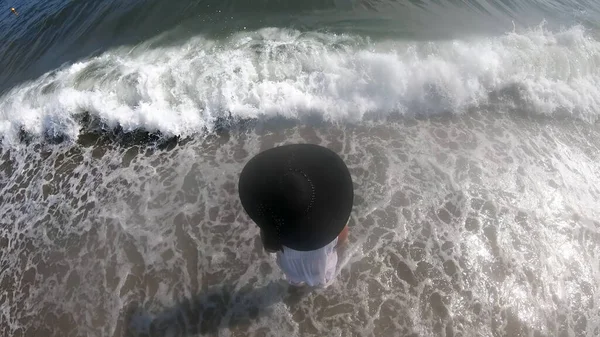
x=327 y=198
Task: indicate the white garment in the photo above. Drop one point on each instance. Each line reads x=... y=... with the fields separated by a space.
x=314 y=268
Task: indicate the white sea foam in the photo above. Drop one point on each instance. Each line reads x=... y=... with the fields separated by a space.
x=182 y=89
x=494 y=214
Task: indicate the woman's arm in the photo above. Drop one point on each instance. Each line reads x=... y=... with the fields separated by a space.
x=343 y=236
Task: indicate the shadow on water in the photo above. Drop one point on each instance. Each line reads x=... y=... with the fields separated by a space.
x=206 y=314
x=95 y=133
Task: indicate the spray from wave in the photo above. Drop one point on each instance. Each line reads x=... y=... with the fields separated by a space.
x=183 y=90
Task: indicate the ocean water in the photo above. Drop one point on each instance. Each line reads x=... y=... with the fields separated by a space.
x=470 y=129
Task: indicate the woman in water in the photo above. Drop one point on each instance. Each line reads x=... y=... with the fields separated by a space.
x=300 y=196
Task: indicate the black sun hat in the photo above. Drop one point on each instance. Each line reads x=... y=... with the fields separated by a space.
x=300 y=193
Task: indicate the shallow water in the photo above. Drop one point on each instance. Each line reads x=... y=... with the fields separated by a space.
x=465 y=226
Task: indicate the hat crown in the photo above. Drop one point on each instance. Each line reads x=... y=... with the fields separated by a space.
x=294 y=194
